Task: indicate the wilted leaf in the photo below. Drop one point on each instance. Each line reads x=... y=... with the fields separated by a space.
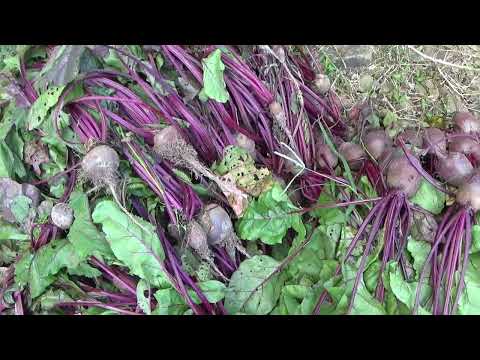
x=35 y=154
x=238 y=165
x=63 y=65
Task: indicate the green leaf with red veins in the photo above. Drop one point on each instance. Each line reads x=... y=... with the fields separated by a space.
x=138 y=247
x=247 y=280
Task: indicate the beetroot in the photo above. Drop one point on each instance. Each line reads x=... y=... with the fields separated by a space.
x=468 y=193
x=353 y=154
x=62 y=216
x=196 y=238
x=466 y=145
x=466 y=122
x=449 y=255
x=326 y=158
x=453 y=168
x=434 y=141
x=170 y=145
x=377 y=142
x=413 y=137
x=462 y=143
x=403 y=176
x=217 y=224
x=392 y=213
x=276 y=110
x=322 y=83
x=100 y=165
x=219 y=229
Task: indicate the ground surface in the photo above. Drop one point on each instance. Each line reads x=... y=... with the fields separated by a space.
x=407 y=85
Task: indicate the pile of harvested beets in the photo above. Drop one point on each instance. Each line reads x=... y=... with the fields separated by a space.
x=205 y=180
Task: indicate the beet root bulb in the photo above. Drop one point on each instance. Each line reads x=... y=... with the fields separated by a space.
x=434 y=141
x=100 y=165
x=62 y=216
x=325 y=157
x=353 y=154
x=377 y=143
x=466 y=122
x=217 y=224
x=170 y=145
x=402 y=176
x=454 y=168
x=469 y=193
